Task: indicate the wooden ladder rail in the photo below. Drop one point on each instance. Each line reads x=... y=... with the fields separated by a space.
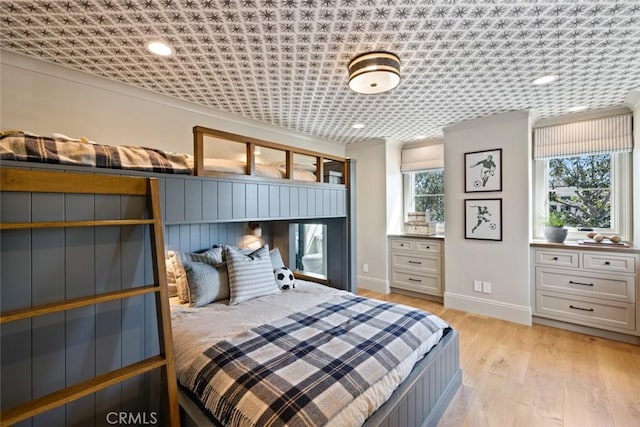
x=58 y=182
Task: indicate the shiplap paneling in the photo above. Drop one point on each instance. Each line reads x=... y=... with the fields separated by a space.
x=43 y=354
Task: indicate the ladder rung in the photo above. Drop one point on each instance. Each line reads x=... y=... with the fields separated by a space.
x=31 y=180
x=66 y=224
x=25 y=313
x=53 y=400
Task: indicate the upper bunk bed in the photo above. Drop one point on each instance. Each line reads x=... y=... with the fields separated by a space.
x=219 y=153
x=216 y=154
x=256 y=181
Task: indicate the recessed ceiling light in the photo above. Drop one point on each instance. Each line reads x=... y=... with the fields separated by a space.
x=577 y=108
x=545 y=80
x=358 y=126
x=417 y=137
x=159 y=48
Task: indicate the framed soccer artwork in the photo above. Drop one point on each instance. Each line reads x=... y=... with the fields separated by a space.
x=483 y=219
x=483 y=171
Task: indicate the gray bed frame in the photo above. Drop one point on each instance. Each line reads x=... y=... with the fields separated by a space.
x=419 y=401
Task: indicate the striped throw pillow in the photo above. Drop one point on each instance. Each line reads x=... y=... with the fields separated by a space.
x=250 y=276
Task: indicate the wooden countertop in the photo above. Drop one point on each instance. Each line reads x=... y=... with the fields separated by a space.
x=589 y=247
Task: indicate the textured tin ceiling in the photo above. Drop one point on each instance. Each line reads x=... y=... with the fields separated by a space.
x=284 y=62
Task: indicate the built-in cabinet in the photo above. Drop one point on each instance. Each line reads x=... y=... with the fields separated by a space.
x=415 y=264
x=592 y=287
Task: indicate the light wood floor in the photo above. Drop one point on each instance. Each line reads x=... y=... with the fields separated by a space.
x=516 y=375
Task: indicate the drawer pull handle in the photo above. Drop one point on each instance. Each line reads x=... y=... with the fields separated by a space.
x=428 y=247
x=580 y=308
x=580 y=283
x=555 y=258
x=411 y=279
x=607 y=263
x=415 y=262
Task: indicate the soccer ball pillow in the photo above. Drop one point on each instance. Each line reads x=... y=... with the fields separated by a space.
x=284 y=278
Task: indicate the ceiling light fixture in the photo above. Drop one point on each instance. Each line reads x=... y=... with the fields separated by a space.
x=577 y=108
x=544 y=80
x=159 y=48
x=358 y=126
x=374 y=72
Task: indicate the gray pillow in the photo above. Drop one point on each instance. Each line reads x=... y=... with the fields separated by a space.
x=250 y=276
x=276 y=259
x=212 y=257
x=206 y=283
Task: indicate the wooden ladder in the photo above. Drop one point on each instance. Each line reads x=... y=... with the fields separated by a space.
x=58 y=182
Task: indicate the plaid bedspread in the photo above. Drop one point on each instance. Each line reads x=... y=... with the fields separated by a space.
x=305 y=368
x=30 y=148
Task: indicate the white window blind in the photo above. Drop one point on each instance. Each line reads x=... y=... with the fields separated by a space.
x=416 y=158
x=597 y=136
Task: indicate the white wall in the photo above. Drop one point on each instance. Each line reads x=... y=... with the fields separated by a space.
x=44 y=98
x=371 y=213
x=633 y=102
x=504 y=264
x=636 y=174
x=395 y=196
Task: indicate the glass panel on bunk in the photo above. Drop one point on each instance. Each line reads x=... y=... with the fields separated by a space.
x=304 y=167
x=311 y=249
x=222 y=155
x=270 y=162
x=333 y=172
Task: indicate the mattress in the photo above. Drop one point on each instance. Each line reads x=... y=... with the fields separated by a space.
x=199 y=331
x=262 y=170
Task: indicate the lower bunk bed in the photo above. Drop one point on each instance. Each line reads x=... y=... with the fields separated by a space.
x=310 y=355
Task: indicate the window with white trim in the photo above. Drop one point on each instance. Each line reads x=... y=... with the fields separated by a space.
x=423 y=170
x=591 y=191
x=425 y=190
x=583 y=171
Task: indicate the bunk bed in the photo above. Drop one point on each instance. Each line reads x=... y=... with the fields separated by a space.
x=234 y=156
x=199 y=209
x=23 y=224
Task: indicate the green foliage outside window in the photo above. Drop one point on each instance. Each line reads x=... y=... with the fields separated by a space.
x=429 y=193
x=580 y=188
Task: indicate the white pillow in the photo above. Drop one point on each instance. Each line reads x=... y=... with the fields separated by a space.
x=276 y=258
x=250 y=276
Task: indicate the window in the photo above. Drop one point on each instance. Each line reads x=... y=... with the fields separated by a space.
x=592 y=192
x=311 y=249
x=425 y=190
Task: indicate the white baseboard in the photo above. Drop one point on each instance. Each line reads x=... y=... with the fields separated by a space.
x=373 y=284
x=499 y=310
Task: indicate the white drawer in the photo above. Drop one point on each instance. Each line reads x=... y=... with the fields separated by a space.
x=402 y=244
x=415 y=262
x=609 y=262
x=428 y=246
x=587 y=311
x=416 y=282
x=557 y=258
x=597 y=285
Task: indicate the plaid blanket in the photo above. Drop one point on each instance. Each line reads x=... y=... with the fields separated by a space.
x=31 y=148
x=304 y=369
